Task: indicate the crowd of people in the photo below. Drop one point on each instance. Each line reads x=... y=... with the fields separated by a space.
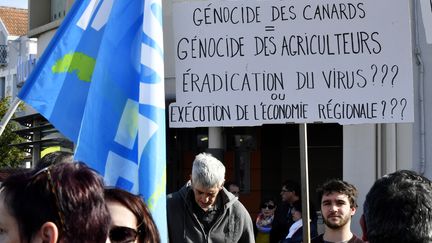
x=62 y=200
x=204 y=211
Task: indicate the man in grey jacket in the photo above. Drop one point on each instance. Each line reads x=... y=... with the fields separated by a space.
x=204 y=211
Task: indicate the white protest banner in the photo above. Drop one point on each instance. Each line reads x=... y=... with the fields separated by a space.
x=247 y=63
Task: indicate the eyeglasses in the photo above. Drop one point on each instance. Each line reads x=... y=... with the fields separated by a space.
x=269 y=206
x=53 y=190
x=121 y=234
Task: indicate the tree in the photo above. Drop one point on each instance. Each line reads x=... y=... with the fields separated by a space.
x=10 y=156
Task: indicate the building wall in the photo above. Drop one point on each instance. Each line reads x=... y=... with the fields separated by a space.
x=423 y=75
x=44 y=39
x=19 y=48
x=168 y=50
x=371 y=151
x=359 y=162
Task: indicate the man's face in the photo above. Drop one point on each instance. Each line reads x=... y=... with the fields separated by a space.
x=286 y=195
x=336 y=210
x=296 y=215
x=234 y=190
x=205 y=197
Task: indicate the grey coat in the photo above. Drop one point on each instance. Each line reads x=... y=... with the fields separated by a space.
x=233 y=225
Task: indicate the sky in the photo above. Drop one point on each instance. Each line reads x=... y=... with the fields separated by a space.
x=14 y=3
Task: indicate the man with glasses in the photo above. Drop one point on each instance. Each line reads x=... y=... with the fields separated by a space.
x=290 y=193
x=204 y=211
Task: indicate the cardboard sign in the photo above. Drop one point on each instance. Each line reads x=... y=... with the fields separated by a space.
x=247 y=63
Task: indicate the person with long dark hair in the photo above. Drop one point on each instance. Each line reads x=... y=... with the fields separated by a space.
x=131 y=219
x=60 y=203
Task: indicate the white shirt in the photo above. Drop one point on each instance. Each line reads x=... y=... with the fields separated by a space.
x=294 y=227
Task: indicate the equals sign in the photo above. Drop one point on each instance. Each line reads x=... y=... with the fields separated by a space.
x=269 y=28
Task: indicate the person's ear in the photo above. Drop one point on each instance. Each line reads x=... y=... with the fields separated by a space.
x=48 y=233
x=363 y=227
x=353 y=211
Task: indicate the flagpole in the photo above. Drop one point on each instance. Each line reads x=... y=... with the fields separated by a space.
x=6 y=118
x=304 y=182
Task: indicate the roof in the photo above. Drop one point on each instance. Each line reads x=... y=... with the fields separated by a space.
x=15 y=20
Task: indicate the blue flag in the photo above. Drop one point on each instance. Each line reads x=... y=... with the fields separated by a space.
x=59 y=84
x=104 y=75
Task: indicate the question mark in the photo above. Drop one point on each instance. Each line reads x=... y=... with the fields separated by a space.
x=375 y=68
x=393 y=103
x=383 y=103
x=395 y=73
x=403 y=102
x=384 y=69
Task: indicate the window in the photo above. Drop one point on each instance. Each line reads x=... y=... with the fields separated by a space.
x=2 y=87
x=3 y=55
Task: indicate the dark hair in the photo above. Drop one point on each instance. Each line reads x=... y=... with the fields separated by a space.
x=147 y=229
x=230 y=183
x=292 y=186
x=54 y=158
x=8 y=171
x=297 y=205
x=398 y=208
x=266 y=200
x=339 y=186
x=67 y=194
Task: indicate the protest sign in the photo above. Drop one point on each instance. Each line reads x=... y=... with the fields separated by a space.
x=247 y=63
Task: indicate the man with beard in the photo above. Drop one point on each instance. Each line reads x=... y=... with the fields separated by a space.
x=338 y=205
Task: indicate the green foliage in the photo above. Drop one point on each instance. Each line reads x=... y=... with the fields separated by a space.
x=9 y=156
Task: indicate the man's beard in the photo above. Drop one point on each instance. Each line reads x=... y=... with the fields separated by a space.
x=336 y=225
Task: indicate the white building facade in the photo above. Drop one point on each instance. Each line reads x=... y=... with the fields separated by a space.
x=17 y=54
